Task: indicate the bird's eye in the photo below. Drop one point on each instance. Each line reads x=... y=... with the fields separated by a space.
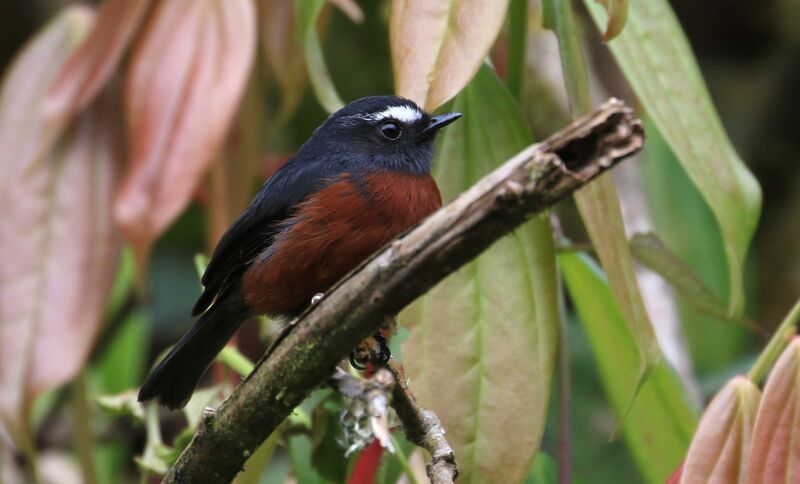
x=391 y=131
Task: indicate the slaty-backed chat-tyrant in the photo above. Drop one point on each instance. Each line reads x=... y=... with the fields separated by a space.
x=361 y=180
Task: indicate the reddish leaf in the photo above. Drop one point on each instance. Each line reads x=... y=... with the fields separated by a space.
x=91 y=66
x=775 y=453
x=58 y=247
x=186 y=78
x=366 y=467
x=438 y=46
x=722 y=440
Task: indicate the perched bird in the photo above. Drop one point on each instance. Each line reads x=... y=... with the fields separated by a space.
x=362 y=179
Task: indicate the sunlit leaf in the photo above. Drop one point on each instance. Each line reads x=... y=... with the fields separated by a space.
x=598 y=203
x=284 y=52
x=58 y=246
x=661 y=420
x=93 y=63
x=438 y=46
x=617 y=16
x=186 y=77
x=488 y=332
x=306 y=14
x=657 y=61
x=775 y=451
x=720 y=445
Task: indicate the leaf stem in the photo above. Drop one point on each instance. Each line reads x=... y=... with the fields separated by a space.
x=780 y=339
x=401 y=458
x=82 y=429
x=564 y=394
x=235 y=360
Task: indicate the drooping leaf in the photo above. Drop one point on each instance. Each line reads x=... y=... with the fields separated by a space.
x=351 y=9
x=720 y=446
x=598 y=203
x=58 y=247
x=775 y=450
x=488 y=332
x=683 y=220
x=657 y=61
x=306 y=13
x=93 y=63
x=651 y=252
x=283 y=49
x=617 y=16
x=187 y=75
x=660 y=422
x=438 y=46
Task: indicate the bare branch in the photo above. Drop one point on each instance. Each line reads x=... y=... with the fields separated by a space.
x=423 y=428
x=306 y=356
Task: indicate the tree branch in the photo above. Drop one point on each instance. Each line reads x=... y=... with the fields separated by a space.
x=423 y=428
x=306 y=356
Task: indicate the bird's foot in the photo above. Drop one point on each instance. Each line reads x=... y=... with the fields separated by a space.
x=374 y=349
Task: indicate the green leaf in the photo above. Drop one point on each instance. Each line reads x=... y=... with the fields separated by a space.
x=488 y=332
x=660 y=423
x=124 y=404
x=306 y=14
x=543 y=471
x=685 y=223
x=599 y=206
x=651 y=252
x=657 y=61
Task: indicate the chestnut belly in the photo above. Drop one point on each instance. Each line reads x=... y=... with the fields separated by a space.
x=332 y=232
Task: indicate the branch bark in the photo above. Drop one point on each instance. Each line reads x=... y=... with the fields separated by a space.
x=307 y=355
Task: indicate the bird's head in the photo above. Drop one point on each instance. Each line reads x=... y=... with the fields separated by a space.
x=383 y=133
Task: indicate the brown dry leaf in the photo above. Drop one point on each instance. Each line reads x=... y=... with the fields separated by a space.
x=722 y=441
x=617 y=17
x=91 y=66
x=775 y=453
x=438 y=46
x=58 y=246
x=183 y=86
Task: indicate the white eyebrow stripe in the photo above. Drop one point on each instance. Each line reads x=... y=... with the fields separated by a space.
x=405 y=114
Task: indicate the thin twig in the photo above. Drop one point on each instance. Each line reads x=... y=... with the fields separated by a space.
x=423 y=427
x=528 y=184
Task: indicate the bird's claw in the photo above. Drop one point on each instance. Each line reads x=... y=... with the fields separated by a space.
x=374 y=349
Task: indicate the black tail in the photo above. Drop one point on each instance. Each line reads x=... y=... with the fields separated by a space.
x=176 y=376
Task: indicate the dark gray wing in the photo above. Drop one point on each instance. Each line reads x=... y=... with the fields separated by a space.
x=256 y=228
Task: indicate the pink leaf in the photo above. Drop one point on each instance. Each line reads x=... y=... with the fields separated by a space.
x=91 y=66
x=722 y=440
x=186 y=78
x=58 y=246
x=775 y=453
x=438 y=46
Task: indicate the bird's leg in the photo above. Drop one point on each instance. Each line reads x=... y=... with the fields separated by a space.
x=374 y=349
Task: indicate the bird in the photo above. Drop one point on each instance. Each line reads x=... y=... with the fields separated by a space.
x=360 y=180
